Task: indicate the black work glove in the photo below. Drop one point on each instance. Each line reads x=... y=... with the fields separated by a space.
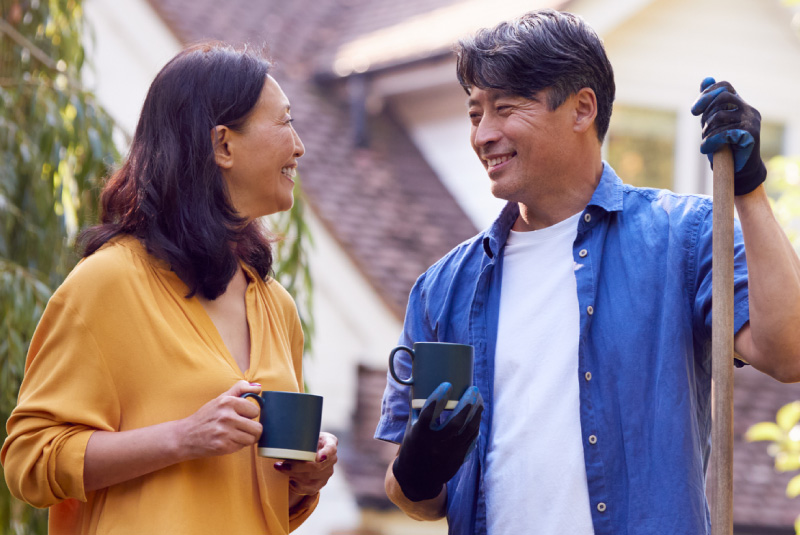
x=431 y=452
x=727 y=119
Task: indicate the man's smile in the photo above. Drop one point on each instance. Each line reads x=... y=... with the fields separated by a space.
x=495 y=162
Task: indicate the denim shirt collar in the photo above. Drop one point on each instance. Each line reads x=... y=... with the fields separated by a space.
x=607 y=196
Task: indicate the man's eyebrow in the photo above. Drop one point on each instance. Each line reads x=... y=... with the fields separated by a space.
x=494 y=96
x=474 y=102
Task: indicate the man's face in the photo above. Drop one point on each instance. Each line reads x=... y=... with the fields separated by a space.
x=521 y=143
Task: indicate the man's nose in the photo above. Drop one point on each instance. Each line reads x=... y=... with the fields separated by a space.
x=485 y=132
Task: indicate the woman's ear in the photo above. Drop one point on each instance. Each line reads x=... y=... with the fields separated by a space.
x=220 y=139
x=585 y=109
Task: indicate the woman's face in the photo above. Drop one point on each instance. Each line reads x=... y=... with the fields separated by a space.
x=259 y=162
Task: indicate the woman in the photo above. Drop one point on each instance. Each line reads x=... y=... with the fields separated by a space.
x=130 y=418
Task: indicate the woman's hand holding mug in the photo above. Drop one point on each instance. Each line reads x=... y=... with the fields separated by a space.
x=223 y=425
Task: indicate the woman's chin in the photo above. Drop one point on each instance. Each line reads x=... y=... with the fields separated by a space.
x=289 y=204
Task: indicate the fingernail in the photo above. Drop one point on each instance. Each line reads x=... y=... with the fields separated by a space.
x=323 y=458
x=255 y=384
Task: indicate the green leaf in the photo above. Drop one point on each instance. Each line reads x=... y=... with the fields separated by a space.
x=793 y=488
x=764 y=431
x=788 y=416
x=785 y=462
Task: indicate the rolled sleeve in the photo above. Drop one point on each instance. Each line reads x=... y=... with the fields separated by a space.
x=302 y=511
x=702 y=272
x=394 y=415
x=45 y=475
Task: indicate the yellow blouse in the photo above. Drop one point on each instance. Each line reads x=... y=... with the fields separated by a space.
x=120 y=347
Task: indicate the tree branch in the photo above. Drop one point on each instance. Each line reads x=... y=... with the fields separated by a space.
x=35 y=51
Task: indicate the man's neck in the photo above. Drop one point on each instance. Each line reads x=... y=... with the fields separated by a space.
x=571 y=197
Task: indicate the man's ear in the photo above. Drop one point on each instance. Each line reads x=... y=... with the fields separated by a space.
x=585 y=109
x=220 y=139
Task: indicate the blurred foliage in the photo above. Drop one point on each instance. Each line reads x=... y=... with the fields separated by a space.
x=56 y=145
x=784 y=437
x=291 y=253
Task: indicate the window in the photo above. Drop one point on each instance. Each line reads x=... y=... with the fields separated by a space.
x=640 y=146
x=771 y=140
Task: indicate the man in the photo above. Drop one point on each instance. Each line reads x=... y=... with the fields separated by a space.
x=589 y=305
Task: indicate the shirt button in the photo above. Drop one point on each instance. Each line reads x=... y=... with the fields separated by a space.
x=601 y=507
x=588 y=376
x=583 y=253
x=592 y=439
x=587 y=217
x=590 y=310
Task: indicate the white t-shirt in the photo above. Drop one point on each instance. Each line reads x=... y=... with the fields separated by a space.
x=535 y=478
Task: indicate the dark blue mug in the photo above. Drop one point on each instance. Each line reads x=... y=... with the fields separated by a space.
x=291 y=423
x=433 y=363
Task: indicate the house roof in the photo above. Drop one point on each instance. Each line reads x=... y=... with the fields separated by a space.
x=419 y=34
x=388 y=209
x=374 y=200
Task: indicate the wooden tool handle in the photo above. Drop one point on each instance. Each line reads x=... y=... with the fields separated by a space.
x=722 y=346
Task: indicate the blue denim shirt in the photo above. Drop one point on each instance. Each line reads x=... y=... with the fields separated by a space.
x=643 y=271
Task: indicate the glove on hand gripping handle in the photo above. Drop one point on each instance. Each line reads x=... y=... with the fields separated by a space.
x=727 y=119
x=431 y=452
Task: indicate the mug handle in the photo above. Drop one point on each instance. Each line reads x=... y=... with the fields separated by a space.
x=410 y=380
x=256 y=397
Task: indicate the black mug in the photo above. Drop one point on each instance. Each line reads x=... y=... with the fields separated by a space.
x=291 y=423
x=433 y=363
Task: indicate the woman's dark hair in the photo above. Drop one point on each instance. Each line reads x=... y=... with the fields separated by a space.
x=170 y=193
x=540 y=50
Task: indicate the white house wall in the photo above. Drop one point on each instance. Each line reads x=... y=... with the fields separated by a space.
x=353 y=326
x=131 y=45
x=662 y=53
